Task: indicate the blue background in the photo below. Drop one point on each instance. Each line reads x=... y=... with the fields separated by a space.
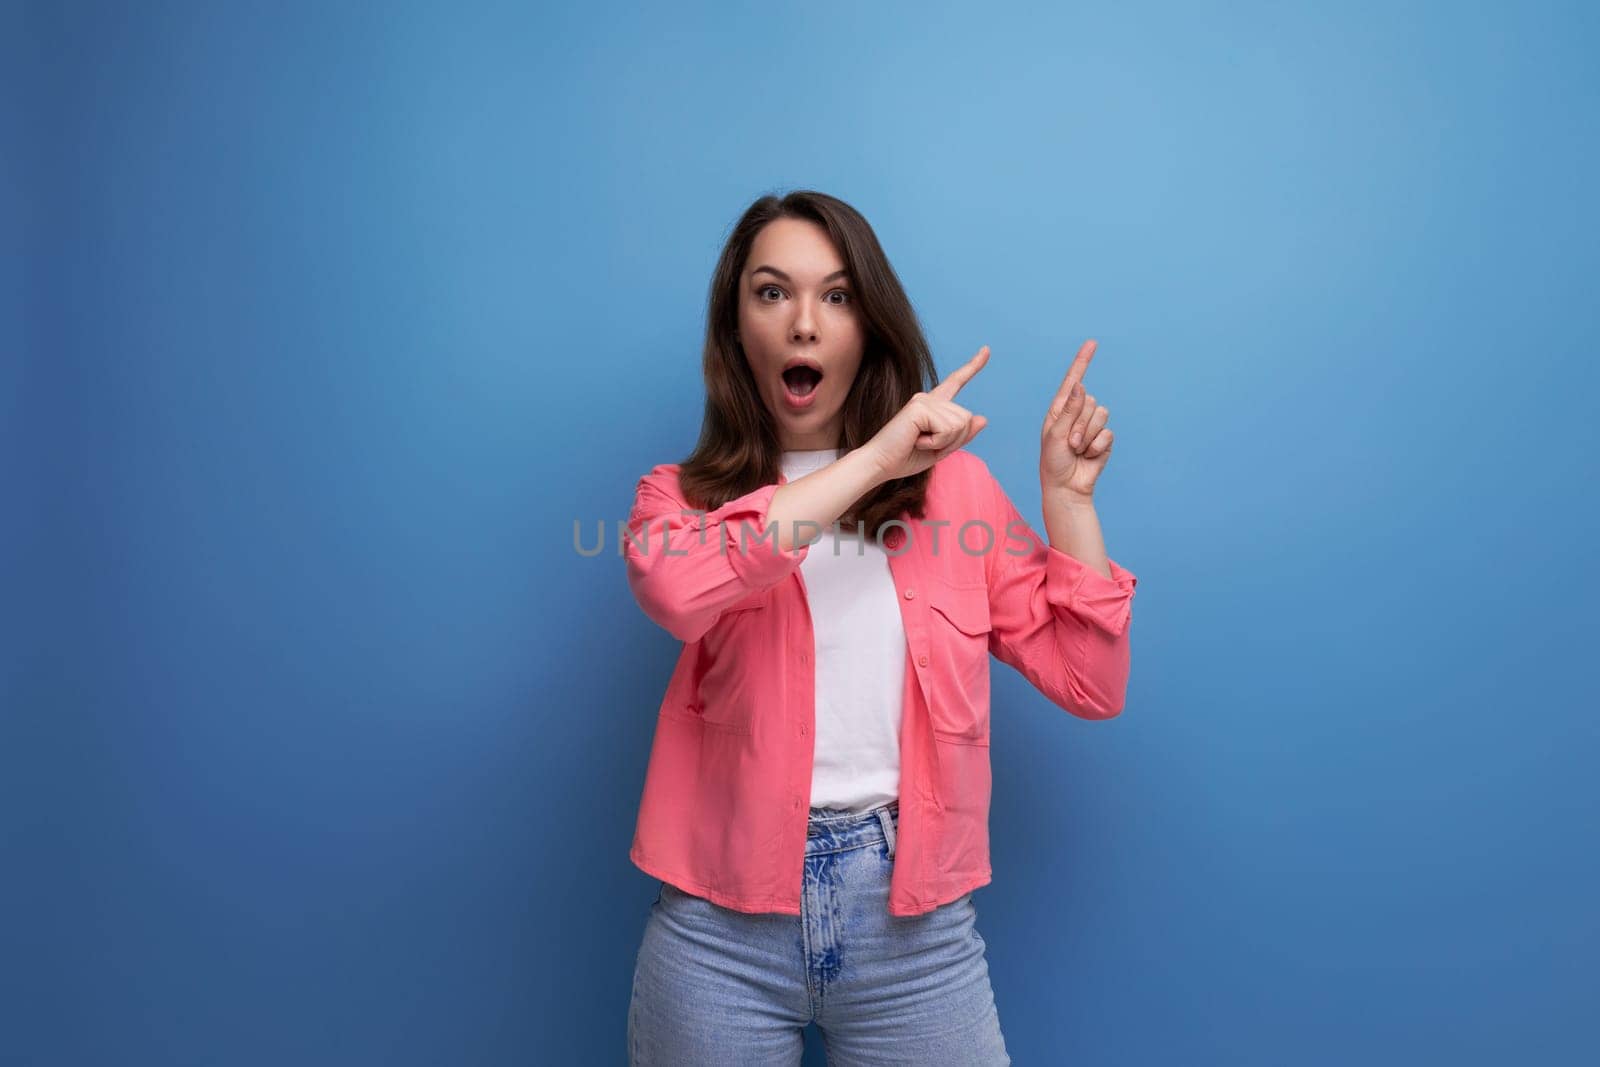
x=321 y=743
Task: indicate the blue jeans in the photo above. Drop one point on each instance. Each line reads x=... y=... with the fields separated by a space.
x=716 y=986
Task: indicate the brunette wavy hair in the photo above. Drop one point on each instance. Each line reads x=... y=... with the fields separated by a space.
x=738 y=450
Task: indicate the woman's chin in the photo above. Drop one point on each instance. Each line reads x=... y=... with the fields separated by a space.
x=807 y=423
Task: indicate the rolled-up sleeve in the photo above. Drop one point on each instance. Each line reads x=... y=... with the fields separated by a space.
x=686 y=567
x=1076 y=587
x=1057 y=621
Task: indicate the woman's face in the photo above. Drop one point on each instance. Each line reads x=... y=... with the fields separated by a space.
x=797 y=313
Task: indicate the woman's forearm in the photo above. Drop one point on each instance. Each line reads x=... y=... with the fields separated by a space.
x=821 y=497
x=1074 y=528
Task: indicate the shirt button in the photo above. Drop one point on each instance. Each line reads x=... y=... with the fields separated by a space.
x=803 y=658
x=923 y=660
x=911 y=594
x=802 y=729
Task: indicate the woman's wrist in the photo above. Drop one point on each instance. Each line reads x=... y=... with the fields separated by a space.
x=1073 y=527
x=1066 y=498
x=870 y=463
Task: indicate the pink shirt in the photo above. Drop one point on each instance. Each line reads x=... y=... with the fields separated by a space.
x=727 y=790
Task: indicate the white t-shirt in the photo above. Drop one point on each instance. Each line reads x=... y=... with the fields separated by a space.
x=860 y=661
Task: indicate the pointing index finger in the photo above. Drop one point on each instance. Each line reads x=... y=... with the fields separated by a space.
x=952 y=384
x=1074 y=374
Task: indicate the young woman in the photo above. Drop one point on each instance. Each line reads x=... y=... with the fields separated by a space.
x=840 y=570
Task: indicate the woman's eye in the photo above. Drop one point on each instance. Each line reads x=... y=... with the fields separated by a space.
x=762 y=292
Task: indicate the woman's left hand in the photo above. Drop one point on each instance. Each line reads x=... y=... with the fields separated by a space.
x=1075 y=442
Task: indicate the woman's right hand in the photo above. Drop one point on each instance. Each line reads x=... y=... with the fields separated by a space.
x=930 y=427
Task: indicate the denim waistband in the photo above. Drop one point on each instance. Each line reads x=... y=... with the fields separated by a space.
x=837 y=830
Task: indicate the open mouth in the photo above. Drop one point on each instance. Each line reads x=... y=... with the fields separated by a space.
x=802 y=379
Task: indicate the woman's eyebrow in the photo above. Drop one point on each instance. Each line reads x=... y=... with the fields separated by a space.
x=785 y=277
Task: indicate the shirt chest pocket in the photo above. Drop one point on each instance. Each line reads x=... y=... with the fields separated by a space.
x=958 y=635
x=729 y=679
